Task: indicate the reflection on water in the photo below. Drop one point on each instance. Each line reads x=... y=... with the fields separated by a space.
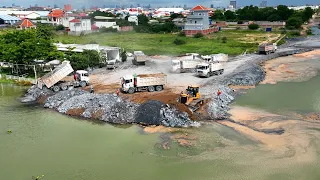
x=59 y=147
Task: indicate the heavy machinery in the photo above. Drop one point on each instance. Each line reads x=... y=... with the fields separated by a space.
x=267 y=48
x=143 y=82
x=191 y=98
x=57 y=79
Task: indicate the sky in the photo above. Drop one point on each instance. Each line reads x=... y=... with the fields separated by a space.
x=154 y=3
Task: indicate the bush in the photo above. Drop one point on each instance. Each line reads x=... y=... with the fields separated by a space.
x=238 y=28
x=182 y=34
x=253 y=26
x=179 y=41
x=107 y=30
x=60 y=27
x=198 y=35
x=124 y=56
x=92 y=42
x=295 y=33
x=309 y=32
x=224 y=39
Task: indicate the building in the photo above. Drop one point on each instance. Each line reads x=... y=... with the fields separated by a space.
x=179 y=22
x=6 y=19
x=80 y=26
x=133 y=19
x=198 y=22
x=67 y=7
x=263 y=4
x=233 y=4
x=25 y=24
x=55 y=16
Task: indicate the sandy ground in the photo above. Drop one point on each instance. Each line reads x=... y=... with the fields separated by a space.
x=294 y=143
x=291 y=68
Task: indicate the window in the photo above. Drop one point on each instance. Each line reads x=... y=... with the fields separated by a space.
x=195 y=22
x=128 y=81
x=190 y=21
x=199 y=14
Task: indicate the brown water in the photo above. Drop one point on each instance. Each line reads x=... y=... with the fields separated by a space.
x=44 y=142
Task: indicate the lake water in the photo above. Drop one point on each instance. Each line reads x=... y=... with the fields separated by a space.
x=44 y=142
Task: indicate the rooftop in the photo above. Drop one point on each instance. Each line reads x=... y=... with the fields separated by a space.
x=200 y=8
x=9 y=18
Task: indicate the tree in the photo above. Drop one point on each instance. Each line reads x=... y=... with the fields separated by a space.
x=294 y=22
x=307 y=14
x=143 y=20
x=253 y=26
x=284 y=12
x=230 y=15
x=24 y=46
x=218 y=15
x=176 y=15
x=124 y=56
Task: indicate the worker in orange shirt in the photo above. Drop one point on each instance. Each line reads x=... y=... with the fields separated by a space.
x=219 y=93
x=117 y=92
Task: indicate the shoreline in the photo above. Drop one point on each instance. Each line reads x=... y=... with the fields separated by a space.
x=111 y=108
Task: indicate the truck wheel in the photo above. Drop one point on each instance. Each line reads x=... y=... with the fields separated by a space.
x=159 y=88
x=221 y=71
x=55 y=88
x=207 y=75
x=83 y=84
x=64 y=87
x=151 y=88
x=131 y=90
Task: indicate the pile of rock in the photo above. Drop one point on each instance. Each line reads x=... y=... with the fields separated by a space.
x=34 y=93
x=157 y=113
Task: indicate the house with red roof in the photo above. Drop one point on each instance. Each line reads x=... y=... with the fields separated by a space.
x=198 y=21
x=80 y=25
x=25 y=24
x=55 y=16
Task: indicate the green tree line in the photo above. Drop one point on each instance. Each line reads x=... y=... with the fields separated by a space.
x=293 y=18
x=25 y=46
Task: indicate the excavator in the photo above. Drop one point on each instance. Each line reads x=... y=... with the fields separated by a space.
x=191 y=98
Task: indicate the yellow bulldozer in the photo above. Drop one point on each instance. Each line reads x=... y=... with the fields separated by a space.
x=191 y=98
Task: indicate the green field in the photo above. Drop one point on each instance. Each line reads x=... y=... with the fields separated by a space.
x=238 y=41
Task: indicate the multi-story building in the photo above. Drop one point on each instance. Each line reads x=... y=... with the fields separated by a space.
x=233 y=4
x=198 y=21
x=263 y=4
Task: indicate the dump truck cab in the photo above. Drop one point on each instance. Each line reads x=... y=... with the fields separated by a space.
x=127 y=82
x=83 y=75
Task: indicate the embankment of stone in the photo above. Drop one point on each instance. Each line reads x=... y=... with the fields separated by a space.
x=109 y=108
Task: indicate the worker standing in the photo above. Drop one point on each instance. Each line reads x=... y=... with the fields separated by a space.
x=75 y=76
x=219 y=93
x=117 y=92
x=91 y=89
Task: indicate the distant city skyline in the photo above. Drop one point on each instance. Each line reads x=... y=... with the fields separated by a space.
x=163 y=3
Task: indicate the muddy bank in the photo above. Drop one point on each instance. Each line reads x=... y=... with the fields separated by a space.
x=250 y=73
x=109 y=108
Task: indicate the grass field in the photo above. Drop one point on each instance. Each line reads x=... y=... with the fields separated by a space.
x=237 y=42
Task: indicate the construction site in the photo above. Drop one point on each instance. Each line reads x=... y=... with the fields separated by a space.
x=166 y=89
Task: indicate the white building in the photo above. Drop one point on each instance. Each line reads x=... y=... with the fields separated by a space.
x=133 y=19
x=78 y=26
x=101 y=24
x=26 y=14
x=9 y=19
x=112 y=53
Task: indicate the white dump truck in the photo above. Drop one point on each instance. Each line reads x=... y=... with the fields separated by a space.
x=187 y=63
x=139 y=58
x=267 y=48
x=214 y=67
x=143 y=82
x=58 y=80
x=112 y=64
